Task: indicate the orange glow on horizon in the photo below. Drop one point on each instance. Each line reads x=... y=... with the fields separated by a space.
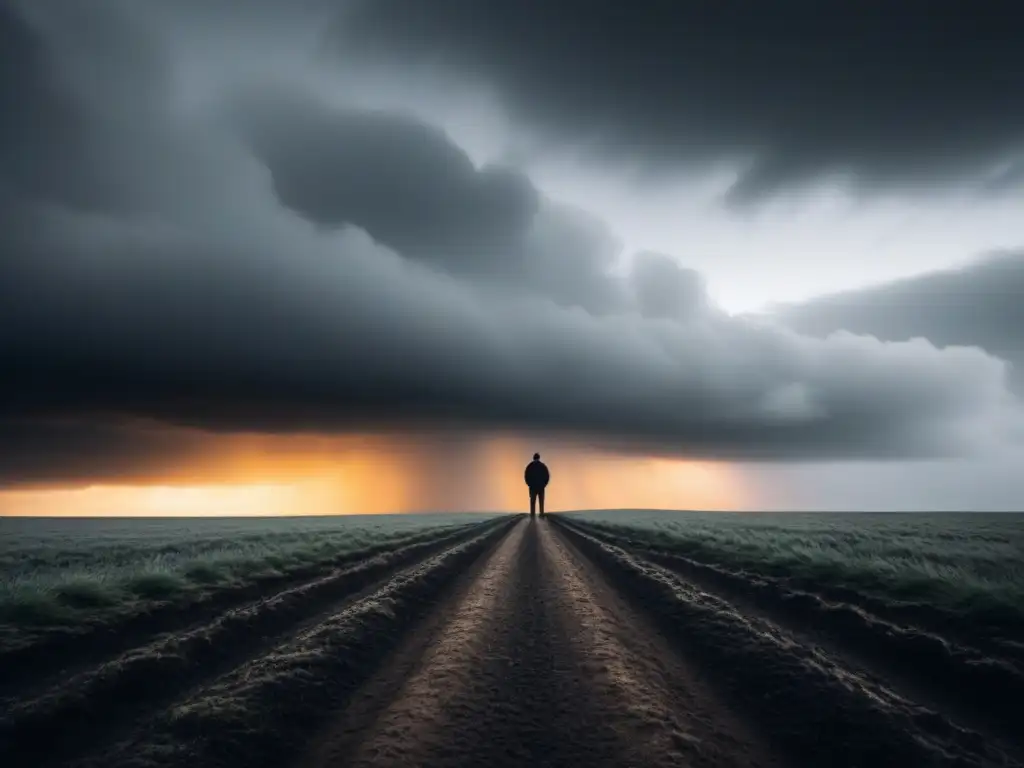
x=299 y=475
x=150 y=500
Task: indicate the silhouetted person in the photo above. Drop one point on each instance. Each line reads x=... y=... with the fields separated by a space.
x=537 y=478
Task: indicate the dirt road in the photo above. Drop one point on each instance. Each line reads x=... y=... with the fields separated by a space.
x=524 y=643
x=539 y=664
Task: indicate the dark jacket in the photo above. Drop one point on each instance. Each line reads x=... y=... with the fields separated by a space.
x=536 y=474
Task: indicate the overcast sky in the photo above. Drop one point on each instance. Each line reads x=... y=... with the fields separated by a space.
x=789 y=241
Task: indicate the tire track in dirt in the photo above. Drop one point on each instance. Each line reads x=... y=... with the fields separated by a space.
x=539 y=664
x=995 y=632
x=54 y=657
x=819 y=710
x=684 y=720
x=258 y=714
x=93 y=706
x=968 y=686
x=395 y=717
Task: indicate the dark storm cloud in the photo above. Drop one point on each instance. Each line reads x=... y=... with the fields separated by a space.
x=89 y=117
x=899 y=93
x=412 y=189
x=287 y=332
x=44 y=451
x=402 y=181
x=981 y=304
x=40 y=128
x=208 y=292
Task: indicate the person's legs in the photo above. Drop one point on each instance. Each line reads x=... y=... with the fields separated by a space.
x=533 y=502
x=540 y=496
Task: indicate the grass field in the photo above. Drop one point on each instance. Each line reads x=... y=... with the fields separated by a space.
x=61 y=572
x=240 y=642
x=64 y=574
x=971 y=565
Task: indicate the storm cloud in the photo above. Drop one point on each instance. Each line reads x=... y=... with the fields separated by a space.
x=881 y=95
x=413 y=190
x=269 y=259
x=402 y=181
x=980 y=304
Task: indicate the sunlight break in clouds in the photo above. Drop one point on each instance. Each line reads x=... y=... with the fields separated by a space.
x=155 y=500
x=379 y=475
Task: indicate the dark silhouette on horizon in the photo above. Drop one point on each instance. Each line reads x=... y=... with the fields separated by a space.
x=537 y=478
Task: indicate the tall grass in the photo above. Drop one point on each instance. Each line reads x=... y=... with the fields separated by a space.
x=965 y=563
x=62 y=572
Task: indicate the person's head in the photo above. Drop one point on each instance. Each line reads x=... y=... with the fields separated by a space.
x=536 y=457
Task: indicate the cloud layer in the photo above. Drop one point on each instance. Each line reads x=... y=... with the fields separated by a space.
x=268 y=259
x=977 y=304
x=891 y=95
